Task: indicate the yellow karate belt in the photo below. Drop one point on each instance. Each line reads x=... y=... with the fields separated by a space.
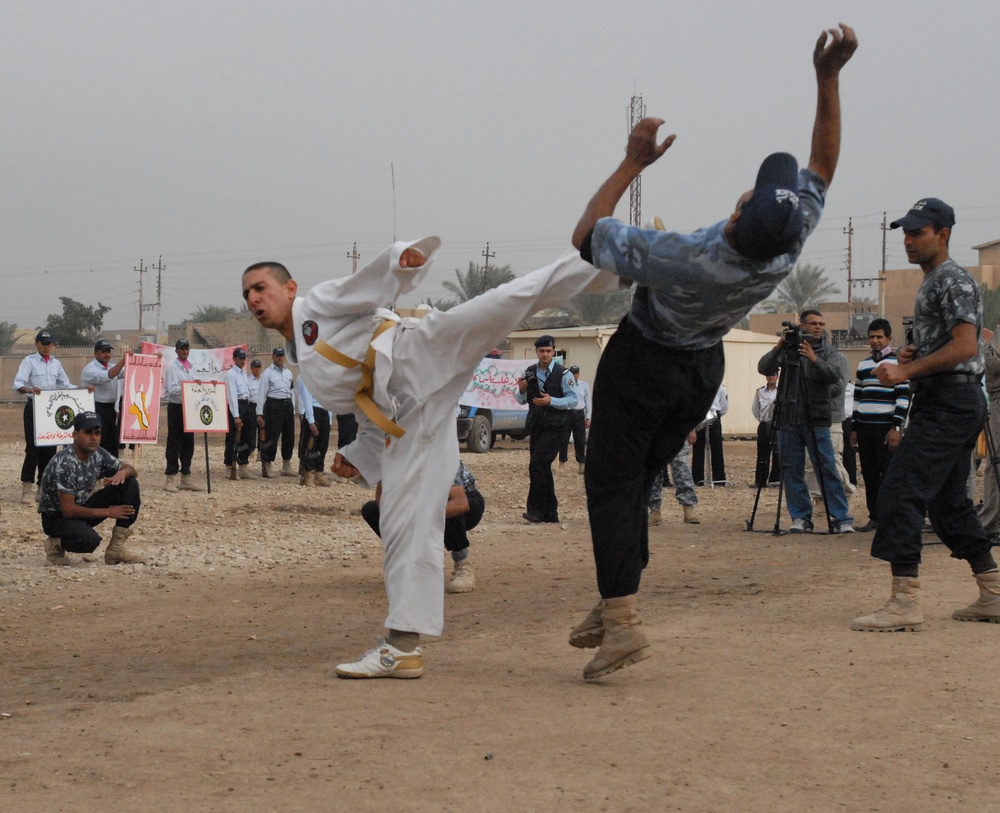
x=366 y=387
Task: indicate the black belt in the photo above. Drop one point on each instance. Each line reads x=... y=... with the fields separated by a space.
x=242 y=400
x=944 y=380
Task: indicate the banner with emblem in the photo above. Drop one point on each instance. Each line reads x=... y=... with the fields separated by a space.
x=54 y=411
x=141 y=388
x=205 y=407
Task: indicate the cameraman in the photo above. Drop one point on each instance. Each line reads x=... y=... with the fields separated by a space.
x=813 y=368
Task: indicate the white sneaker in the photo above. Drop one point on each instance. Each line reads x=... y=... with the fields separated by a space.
x=801 y=525
x=384 y=661
x=842 y=528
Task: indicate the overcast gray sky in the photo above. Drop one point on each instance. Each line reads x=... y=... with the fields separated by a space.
x=217 y=134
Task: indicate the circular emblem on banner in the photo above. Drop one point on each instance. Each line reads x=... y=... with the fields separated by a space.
x=64 y=417
x=206 y=415
x=310 y=331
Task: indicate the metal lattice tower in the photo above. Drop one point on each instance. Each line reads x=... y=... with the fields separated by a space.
x=636 y=110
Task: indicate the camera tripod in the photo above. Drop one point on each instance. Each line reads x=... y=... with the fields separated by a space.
x=791 y=387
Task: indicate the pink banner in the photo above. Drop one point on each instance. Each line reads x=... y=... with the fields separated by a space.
x=494 y=383
x=207 y=364
x=141 y=388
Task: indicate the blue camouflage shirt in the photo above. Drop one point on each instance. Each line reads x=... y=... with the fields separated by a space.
x=67 y=474
x=694 y=288
x=947 y=297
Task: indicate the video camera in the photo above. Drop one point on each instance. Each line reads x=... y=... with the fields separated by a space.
x=792 y=334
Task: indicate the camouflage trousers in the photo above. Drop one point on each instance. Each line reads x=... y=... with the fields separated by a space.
x=680 y=473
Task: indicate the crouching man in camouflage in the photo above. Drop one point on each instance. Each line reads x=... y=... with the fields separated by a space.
x=69 y=510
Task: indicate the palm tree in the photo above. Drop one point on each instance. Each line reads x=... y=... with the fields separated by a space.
x=8 y=330
x=477 y=280
x=805 y=287
x=211 y=313
x=600 y=309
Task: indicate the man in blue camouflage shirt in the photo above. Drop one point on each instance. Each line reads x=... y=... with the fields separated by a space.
x=660 y=371
x=70 y=507
x=929 y=469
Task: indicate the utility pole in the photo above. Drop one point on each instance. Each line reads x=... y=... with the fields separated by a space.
x=878 y=279
x=881 y=277
x=141 y=271
x=636 y=111
x=487 y=255
x=354 y=257
x=159 y=288
x=849 y=231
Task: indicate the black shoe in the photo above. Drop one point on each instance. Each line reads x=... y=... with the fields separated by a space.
x=868 y=527
x=531 y=518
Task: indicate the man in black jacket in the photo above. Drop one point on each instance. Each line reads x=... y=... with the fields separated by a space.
x=816 y=366
x=549 y=390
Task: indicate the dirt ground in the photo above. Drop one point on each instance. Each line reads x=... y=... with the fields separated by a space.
x=204 y=680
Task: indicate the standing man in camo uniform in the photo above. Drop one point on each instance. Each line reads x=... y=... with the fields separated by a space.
x=928 y=472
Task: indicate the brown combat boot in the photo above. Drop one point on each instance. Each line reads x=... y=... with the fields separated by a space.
x=307 y=478
x=116 y=553
x=171 y=485
x=27 y=493
x=901 y=612
x=655 y=518
x=267 y=470
x=54 y=553
x=246 y=473
x=589 y=632
x=624 y=643
x=987 y=606
x=691 y=515
x=287 y=470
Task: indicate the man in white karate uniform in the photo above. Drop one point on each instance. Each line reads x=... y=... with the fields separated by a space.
x=403 y=377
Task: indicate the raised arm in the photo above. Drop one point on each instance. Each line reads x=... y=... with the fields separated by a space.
x=641 y=151
x=828 y=58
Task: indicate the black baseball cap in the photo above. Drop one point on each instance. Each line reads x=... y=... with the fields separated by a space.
x=924 y=211
x=770 y=222
x=85 y=421
x=278 y=351
x=545 y=341
x=181 y=343
x=44 y=337
x=102 y=344
x=239 y=353
x=574 y=369
x=256 y=363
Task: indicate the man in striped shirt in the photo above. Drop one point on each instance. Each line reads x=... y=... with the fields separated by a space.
x=879 y=412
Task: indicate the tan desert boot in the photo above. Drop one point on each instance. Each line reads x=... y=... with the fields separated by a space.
x=691 y=515
x=54 y=553
x=589 y=632
x=987 y=606
x=901 y=612
x=624 y=643
x=463 y=580
x=116 y=553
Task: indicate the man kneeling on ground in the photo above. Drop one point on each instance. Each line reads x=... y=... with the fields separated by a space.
x=69 y=510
